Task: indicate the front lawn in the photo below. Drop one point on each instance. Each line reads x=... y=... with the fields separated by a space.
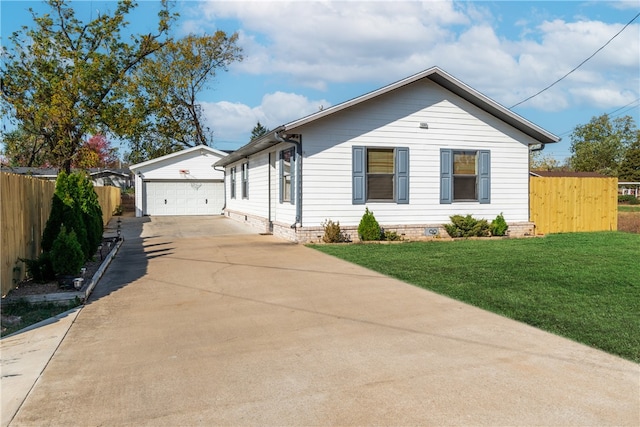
x=584 y=286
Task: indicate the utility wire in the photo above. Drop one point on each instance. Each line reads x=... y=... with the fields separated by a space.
x=579 y=65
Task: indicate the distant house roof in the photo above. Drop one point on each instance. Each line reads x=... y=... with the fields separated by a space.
x=567 y=174
x=434 y=74
x=48 y=173
x=52 y=173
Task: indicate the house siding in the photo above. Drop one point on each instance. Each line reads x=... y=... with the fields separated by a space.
x=393 y=120
x=254 y=210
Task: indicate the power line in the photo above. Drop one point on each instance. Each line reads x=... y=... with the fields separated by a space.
x=610 y=114
x=579 y=65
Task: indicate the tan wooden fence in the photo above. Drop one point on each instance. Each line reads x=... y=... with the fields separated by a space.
x=569 y=204
x=25 y=205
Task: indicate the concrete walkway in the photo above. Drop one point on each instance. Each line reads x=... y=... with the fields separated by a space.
x=201 y=322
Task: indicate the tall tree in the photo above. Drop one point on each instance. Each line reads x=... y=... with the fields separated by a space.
x=601 y=144
x=630 y=167
x=258 y=130
x=22 y=148
x=170 y=82
x=62 y=78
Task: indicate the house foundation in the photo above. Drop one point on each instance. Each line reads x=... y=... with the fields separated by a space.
x=412 y=232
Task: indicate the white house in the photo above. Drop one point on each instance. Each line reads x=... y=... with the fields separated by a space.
x=181 y=183
x=414 y=152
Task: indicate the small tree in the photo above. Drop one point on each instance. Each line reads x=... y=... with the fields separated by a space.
x=498 y=226
x=66 y=254
x=369 y=229
x=258 y=130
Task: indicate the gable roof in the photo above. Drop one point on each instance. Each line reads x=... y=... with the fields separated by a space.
x=180 y=153
x=434 y=74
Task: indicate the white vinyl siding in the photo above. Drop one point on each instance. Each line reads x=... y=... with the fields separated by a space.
x=258 y=202
x=394 y=120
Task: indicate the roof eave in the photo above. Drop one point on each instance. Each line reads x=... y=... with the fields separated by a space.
x=255 y=146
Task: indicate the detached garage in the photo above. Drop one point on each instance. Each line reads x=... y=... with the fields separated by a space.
x=181 y=183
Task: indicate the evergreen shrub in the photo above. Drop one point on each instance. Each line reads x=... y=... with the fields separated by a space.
x=369 y=229
x=66 y=254
x=498 y=226
x=467 y=226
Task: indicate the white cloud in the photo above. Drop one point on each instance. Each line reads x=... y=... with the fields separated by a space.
x=233 y=122
x=316 y=44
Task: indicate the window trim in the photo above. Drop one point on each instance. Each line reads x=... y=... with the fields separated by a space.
x=483 y=176
x=292 y=168
x=232 y=182
x=245 y=180
x=360 y=175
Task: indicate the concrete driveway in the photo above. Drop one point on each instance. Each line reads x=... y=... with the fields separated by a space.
x=198 y=325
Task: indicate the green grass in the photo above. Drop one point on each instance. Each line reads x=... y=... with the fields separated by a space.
x=584 y=286
x=628 y=208
x=31 y=314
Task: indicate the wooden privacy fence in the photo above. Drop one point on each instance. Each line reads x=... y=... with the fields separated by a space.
x=570 y=204
x=25 y=205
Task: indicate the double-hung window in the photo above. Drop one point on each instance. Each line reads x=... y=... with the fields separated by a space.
x=233 y=182
x=287 y=172
x=380 y=175
x=465 y=176
x=245 y=180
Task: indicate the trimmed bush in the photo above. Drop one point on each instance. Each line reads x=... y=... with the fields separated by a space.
x=467 y=226
x=369 y=229
x=333 y=233
x=628 y=198
x=498 y=226
x=66 y=254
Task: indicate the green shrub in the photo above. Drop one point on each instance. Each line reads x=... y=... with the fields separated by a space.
x=498 y=226
x=75 y=204
x=391 y=236
x=66 y=254
x=628 y=198
x=467 y=226
x=40 y=269
x=369 y=229
x=333 y=233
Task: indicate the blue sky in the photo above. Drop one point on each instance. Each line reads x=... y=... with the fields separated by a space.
x=300 y=55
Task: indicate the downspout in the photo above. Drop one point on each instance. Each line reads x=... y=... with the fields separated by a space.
x=280 y=138
x=224 y=186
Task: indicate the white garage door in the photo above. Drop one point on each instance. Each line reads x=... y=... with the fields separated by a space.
x=183 y=197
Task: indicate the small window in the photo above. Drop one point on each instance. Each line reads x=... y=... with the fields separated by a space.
x=245 y=180
x=380 y=172
x=380 y=175
x=233 y=182
x=465 y=175
x=287 y=165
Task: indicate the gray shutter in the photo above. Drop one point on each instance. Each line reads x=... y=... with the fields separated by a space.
x=446 y=176
x=281 y=177
x=484 y=176
x=358 y=176
x=402 y=175
x=292 y=196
